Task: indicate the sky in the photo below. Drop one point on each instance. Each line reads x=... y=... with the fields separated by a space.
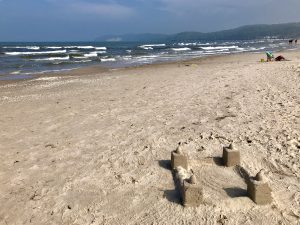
x=85 y=20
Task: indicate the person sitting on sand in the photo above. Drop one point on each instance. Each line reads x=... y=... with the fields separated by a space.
x=270 y=56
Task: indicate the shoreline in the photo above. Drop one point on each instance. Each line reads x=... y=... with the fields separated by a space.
x=97 y=69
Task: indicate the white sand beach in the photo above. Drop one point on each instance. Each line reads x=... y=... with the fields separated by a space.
x=94 y=146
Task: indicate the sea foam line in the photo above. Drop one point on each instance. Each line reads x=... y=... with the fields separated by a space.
x=35 y=53
x=23 y=47
x=180 y=49
x=219 y=47
x=53 y=58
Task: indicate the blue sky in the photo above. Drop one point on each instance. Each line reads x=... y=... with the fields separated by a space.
x=84 y=20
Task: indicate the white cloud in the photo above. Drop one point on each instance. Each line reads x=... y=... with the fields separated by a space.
x=110 y=10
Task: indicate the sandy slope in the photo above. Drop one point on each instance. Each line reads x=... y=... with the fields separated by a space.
x=95 y=149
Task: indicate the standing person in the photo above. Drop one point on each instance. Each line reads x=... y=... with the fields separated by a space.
x=296 y=41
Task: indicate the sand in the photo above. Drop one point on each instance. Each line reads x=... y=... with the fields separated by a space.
x=95 y=147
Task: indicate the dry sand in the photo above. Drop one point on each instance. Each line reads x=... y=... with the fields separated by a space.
x=95 y=149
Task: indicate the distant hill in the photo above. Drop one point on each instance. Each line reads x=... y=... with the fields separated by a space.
x=287 y=30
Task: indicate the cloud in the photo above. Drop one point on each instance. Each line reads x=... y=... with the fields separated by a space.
x=110 y=10
x=182 y=7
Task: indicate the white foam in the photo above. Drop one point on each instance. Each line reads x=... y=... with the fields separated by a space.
x=187 y=44
x=219 y=47
x=149 y=56
x=16 y=72
x=80 y=57
x=91 y=54
x=83 y=61
x=24 y=47
x=146 y=48
x=53 y=59
x=151 y=46
x=54 y=47
x=127 y=57
x=100 y=48
x=80 y=47
x=154 y=45
x=181 y=49
x=85 y=47
x=108 y=60
x=222 y=50
x=36 y=53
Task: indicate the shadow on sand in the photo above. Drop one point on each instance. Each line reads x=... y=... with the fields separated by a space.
x=235 y=192
x=171 y=195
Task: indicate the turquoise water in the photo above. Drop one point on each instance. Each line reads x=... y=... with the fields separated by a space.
x=21 y=60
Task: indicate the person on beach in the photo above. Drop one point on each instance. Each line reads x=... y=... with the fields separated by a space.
x=270 y=56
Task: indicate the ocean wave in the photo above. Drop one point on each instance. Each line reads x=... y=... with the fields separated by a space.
x=16 y=72
x=219 y=47
x=128 y=57
x=35 y=53
x=154 y=45
x=53 y=47
x=151 y=46
x=222 y=50
x=79 y=47
x=91 y=54
x=146 y=48
x=53 y=58
x=148 y=57
x=100 y=52
x=187 y=44
x=108 y=60
x=83 y=61
x=71 y=62
x=100 y=48
x=23 y=47
x=181 y=49
x=80 y=57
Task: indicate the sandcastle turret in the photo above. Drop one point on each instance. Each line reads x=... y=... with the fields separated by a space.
x=231 y=155
x=192 y=195
x=179 y=158
x=258 y=189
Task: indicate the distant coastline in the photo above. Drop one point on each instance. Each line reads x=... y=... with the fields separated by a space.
x=249 y=32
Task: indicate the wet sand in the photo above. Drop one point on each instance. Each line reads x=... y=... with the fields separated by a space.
x=93 y=146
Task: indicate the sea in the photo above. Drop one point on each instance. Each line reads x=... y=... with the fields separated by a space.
x=25 y=60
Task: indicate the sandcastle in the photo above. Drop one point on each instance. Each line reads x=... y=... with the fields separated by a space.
x=231 y=156
x=191 y=191
x=258 y=189
x=178 y=158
